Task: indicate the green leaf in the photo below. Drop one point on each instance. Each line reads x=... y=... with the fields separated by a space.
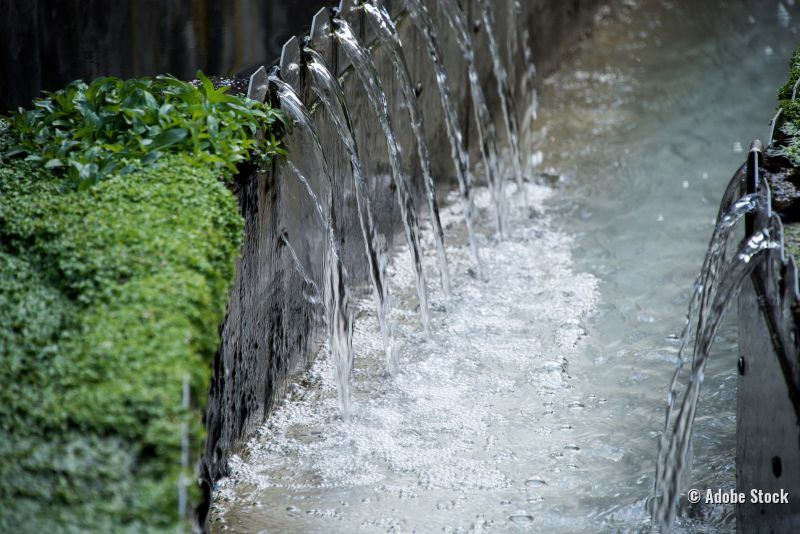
x=53 y=163
x=168 y=138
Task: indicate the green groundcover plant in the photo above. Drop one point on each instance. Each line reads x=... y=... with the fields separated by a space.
x=789 y=148
x=118 y=244
x=790 y=115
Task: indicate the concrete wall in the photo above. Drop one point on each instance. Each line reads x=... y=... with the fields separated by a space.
x=271 y=330
x=768 y=433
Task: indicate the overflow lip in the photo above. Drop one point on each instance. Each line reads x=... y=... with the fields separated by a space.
x=321 y=39
x=257 y=88
x=290 y=64
x=754 y=158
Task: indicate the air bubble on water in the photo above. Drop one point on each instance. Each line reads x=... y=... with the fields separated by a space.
x=521 y=517
x=535 y=483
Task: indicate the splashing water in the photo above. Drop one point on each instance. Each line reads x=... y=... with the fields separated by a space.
x=366 y=72
x=438 y=445
x=387 y=33
x=422 y=20
x=328 y=90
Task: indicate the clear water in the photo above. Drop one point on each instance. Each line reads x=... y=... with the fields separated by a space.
x=538 y=402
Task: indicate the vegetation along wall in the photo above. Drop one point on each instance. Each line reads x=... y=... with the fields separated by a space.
x=119 y=233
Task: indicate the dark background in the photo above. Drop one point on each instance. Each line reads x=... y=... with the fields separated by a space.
x=47 y=43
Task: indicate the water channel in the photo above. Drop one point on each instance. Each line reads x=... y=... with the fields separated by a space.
x=537 y=402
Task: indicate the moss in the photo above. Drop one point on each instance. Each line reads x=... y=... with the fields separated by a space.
x=108 y=298
x=785 y=92
x=790 y=115
x=789 y=147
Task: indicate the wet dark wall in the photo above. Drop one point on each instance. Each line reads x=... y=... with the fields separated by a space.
x=47 y=43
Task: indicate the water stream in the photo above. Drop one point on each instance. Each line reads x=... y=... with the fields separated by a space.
x=365 y=69
x=487 y=135
x=330 y=93
x=335 y=294
x=675 y=456
x=458 y=152
x=537 y=403
x=387 y=34
x=503 y=89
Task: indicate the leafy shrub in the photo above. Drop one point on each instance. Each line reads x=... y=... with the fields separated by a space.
x=112 y=295
x=113 y=126
x=108 y=298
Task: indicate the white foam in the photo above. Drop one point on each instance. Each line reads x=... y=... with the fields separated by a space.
x=447 y=421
